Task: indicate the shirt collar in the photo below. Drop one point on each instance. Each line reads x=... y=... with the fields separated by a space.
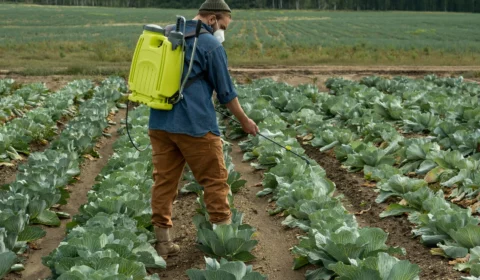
x=193 y=24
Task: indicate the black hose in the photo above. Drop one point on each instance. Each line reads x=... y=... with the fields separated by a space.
x=128 y=132
x=274 y=142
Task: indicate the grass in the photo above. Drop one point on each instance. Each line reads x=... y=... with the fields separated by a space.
x=86 y=40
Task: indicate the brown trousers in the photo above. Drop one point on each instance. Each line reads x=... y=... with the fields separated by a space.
x=204 y=156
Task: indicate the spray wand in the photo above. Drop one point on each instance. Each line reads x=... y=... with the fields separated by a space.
x=288 y=148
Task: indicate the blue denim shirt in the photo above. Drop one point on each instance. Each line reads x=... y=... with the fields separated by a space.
x=195 y=114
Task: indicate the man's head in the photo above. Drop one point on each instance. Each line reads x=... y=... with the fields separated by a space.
x=215 y=13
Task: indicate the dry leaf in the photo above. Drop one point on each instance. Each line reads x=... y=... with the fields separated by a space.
x=89 y=157
x=467 y=202
x=460 y=260
x=369 y=185
x=458 y=198
x=308 y=137
x=364 y=211
x=475 y=207
x=403 y=202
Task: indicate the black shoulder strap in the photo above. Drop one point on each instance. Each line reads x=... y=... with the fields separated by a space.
x=170 y=28
x=202 y=75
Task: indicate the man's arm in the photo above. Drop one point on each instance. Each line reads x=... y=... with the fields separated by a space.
x=248 y=125
x=217 y=69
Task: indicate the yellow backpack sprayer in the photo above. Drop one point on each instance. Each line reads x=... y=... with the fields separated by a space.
x=157 y=66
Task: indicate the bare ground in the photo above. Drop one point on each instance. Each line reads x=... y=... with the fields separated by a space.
x=290 y=74
x=360 y=200
x=34 y=269
x=319 y=74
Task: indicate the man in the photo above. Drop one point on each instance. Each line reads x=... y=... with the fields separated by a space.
x=189 y=132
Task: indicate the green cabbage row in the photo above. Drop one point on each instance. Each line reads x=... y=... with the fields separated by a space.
x=40 y=182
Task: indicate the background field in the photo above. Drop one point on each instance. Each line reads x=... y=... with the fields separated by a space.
x=86 y=40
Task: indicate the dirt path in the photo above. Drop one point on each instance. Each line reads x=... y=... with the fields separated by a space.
x=273 y=251
x=319 y=74
x=359 y=198
x=34 y=269
x=291 y=74
x=331 y=69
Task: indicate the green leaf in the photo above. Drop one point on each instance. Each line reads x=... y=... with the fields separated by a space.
x=196 y=274
x=344 y=252
x=218 y=275
x=404 y=270
x=385 y=265
x=211 y=264
x=433 y=175
x=48 y=218
x=238 y=269
x=264 y=192
x=318 y=274
x=244 y=257
x=300 y=262
x=237 y=185
x=454 y=252
x=7 y=259
x=475 y=270
x=349 y=272
x=132 y=268
x=236 y=245
x=396 y=210
x=373 y=238
x=35 y=207
x=224 y=233
x=468 y=236
x=31 y=233
x=65 y=264
x=65 y=195
x=254 y=276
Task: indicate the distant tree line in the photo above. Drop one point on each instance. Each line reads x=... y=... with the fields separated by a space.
x=357 y=5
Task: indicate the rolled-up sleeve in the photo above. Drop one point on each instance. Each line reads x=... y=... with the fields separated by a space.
x=218 y=76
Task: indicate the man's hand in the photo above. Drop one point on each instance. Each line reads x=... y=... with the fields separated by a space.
x=250 y=127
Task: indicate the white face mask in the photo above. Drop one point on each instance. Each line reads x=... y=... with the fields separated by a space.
x=219 y=34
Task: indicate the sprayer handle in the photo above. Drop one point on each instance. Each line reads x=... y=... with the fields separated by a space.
x=177 y=26
x=199 y=28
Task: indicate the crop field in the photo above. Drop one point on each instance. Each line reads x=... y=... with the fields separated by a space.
x=392 y=177
x=376 y=176
x=50 y=39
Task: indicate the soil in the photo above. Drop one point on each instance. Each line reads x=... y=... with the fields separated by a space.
x=34 y=269
x=53 y=83
x=364 y=70
x=360 y=200
x=295 y=75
